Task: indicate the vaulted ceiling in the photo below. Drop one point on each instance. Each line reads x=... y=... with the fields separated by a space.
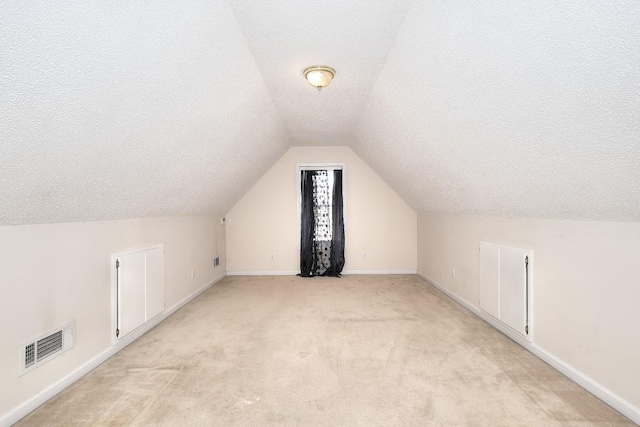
x=117 y=109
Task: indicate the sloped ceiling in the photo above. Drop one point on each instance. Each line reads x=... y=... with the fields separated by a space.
x=353 y=36
x=121 y=109
x=113 y=109
x=524 y=109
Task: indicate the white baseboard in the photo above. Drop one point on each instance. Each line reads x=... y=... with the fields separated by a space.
x=379 y=272
x=293 y=273
x=262 y=273
x=621 y=405
x=22 y=410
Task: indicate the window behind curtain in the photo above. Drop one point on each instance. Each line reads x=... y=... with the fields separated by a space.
x=323 y=204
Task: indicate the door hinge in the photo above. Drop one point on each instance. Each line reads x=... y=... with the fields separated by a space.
x=117 y=263
x=526 y=329
x=526 y=261
x=117 y=332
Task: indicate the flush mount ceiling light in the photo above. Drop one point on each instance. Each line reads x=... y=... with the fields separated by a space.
x=319 y=76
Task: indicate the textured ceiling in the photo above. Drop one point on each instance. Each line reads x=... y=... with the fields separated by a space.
x=119 y=109
x=524 y=109
x=354 y=37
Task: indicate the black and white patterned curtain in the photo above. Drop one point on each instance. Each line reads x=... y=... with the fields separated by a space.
x=322 y=224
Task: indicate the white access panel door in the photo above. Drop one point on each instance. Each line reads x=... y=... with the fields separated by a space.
x=513 y=289
x=489 y=280
x=131 y=292
x=154 y=283
x=505 y=286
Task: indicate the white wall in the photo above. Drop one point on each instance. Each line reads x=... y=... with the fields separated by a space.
x=55 y=273
x=586 y=284
x=264 y=221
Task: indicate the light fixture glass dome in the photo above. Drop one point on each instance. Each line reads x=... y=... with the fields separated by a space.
x=319 y=76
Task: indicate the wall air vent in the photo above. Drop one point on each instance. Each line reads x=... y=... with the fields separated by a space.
x=41 y=349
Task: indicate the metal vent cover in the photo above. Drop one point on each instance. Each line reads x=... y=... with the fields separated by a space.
x=30 y=355
x=49 y=345
x=45 y=347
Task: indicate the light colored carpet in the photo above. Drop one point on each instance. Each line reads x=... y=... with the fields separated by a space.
x=354 y=351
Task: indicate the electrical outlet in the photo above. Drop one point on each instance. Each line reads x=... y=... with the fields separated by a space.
x=273 y=257
x=364 y=254
x=453 y=272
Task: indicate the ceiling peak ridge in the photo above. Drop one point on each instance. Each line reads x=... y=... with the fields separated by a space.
x=272 y=105
x=390 y=49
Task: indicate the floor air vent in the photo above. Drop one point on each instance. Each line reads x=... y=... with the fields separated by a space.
x=45 y=347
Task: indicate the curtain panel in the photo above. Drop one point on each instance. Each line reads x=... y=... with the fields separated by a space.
x=322 y=223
